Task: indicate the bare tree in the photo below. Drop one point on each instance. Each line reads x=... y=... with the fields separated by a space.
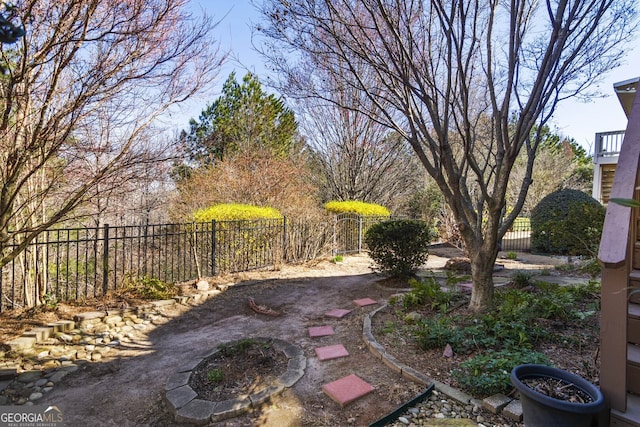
x=254 y=175
x=79 y=98
x=357 y=158
x=135 y=193
x=463 y=81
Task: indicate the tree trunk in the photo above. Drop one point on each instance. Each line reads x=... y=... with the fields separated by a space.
x=482 y=275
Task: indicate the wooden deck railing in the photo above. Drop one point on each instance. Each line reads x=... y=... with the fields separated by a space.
x=615 y=254
x=608 y=144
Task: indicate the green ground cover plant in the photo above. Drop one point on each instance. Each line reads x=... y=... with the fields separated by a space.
x=521 y=279
x=236 y=347
x=521 y=324
x=427 y=292
x=590 y=266
x=215 y=375
x=489 y=372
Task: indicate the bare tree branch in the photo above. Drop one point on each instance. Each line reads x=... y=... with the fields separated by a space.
x=79 y=100
x=463 y=81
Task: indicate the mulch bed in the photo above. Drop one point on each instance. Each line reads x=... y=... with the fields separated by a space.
x=237 y=369
x=557 y=389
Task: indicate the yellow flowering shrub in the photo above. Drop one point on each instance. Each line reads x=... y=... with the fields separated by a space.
x=235 y=212
x=360 y=208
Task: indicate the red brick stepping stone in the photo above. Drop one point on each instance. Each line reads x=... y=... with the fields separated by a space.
x=337 y=312
x=331 y=352
x=347 y=389
x=320 y=331
x=364 y=301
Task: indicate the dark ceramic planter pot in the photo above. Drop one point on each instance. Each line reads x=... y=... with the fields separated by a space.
x=540 y=410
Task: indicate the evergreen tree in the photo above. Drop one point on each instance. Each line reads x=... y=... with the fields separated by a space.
x=244 y=117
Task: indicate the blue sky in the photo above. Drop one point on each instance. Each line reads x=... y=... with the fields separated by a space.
x=573 y=118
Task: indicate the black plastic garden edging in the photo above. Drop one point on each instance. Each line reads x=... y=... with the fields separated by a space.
x=402 y=408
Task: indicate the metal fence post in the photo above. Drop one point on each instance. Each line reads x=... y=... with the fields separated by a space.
x=213 y=247
x=105 y=260
x=284 y=238
x=359 y=234
x=335 y=238
x=146 y=246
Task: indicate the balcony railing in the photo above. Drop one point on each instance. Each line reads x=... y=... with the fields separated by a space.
x=608 y=144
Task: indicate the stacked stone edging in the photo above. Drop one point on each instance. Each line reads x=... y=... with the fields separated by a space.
x=99 y=321
x=183 y=402
x=43 y=355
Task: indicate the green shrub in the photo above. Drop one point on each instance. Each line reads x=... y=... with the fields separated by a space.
x=147 y=287
x=521 y=279
x=235 y=212
x=567 y=222
x=399 y=247
x=215 y=375
x=360 y=208
x=428 y=292
x=489 y=373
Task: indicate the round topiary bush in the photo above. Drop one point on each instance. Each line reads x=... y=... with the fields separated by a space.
x=399 y=247
x=567 y=222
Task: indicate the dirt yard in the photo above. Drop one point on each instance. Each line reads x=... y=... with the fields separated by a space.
x=127 y=389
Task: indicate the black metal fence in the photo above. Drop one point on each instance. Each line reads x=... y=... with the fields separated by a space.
x=82 y=263
x=518 y=238
x=349 y=230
